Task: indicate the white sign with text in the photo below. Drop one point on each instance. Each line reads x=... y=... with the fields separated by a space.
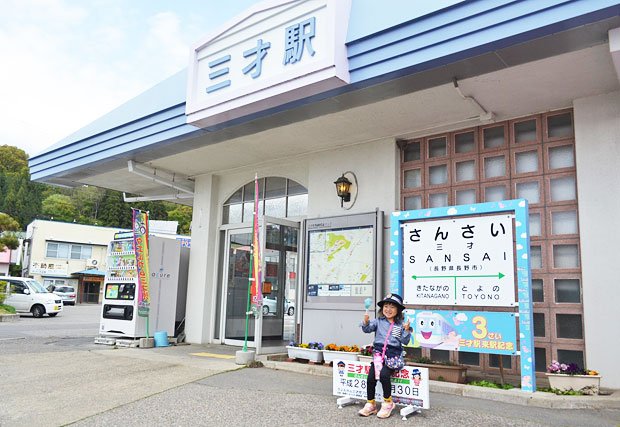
x=464 y=261
x=409 y=385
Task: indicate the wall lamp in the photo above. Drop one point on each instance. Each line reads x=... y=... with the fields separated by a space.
x=344 y=188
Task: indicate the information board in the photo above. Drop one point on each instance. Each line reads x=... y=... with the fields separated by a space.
x=459 y=261
x=339 y=257
x=409 y=385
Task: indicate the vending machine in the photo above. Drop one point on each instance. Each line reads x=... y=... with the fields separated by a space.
x=168 y=263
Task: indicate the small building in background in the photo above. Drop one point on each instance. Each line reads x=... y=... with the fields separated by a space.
x=59 y=253
x=5 y=261
x=10 y=257
x=64 y=253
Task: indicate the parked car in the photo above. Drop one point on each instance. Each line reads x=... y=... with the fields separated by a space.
x=270 y=306
x=29 y=296
x=66 y=293
x=289 y=307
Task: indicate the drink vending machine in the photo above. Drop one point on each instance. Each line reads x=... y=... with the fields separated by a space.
x=168 y=264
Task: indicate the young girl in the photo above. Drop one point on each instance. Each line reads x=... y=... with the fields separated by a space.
x=390 y=335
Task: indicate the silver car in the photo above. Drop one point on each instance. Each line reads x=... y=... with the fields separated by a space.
x=66 y=293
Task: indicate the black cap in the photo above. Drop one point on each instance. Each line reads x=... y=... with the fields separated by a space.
x=394 y=299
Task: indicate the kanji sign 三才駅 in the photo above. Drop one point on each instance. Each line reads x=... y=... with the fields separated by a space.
x=268 y=56
x=460 y=261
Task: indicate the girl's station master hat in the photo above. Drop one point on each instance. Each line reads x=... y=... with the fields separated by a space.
x=395 y=299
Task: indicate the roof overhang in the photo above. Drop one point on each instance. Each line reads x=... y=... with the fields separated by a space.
x=529 y=72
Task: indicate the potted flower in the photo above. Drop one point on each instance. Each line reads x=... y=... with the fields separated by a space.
x=312 y=351
x=365 y=354
x=340 y=352
x=570 y=376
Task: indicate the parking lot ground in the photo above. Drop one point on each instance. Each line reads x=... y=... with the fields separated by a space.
x=53 y=374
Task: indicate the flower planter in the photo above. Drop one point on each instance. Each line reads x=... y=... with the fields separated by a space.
x=331 y=355
x=309 y=354
x=573 y=382
x=448 y=373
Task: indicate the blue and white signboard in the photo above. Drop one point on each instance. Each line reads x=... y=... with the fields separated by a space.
x=472 y=331
x=463 y=256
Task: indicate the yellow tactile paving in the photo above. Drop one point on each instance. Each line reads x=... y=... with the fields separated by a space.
x=217 y=356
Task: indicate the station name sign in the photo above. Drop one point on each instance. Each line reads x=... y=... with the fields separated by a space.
x=459 y=261
x=273 y=54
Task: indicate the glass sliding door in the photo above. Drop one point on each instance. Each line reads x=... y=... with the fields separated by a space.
x=236 y=280
x=275 y=323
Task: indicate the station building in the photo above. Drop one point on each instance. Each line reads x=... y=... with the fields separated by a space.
x=419 y=104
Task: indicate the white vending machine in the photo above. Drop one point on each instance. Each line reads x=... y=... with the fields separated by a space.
x=168 y=264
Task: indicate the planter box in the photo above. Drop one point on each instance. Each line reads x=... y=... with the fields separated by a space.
x=448 y=373
x=309 y=354
x=574 y=382
x=331 y=355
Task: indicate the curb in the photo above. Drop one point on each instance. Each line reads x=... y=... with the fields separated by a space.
x=516 y=397
x=9 y=317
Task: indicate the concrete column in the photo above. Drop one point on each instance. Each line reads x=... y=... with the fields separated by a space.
x=597 y=147
x=201 y=286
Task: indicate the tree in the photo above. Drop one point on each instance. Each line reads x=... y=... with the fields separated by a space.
x=22 y=198
x=59 y=207
x=13 y=160
x=87 y=200
x=114 y=212
x=7 y=238
x=183 y=214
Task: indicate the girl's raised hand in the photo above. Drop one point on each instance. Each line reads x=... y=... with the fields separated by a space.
x=406 y=325
x=366 y=319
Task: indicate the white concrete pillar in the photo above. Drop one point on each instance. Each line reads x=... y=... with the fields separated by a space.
x=597 y=149
x=201 y=286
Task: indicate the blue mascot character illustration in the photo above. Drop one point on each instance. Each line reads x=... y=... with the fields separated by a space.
x=432 y=329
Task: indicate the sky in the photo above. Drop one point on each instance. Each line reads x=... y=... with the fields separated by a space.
x=65 y=63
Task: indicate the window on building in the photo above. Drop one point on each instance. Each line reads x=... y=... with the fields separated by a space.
x=467 y=358
x=68 y=251
x=494 y=361
x=278 y=197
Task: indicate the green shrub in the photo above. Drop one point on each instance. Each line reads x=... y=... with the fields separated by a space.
x=490 y=384
x=6 y=309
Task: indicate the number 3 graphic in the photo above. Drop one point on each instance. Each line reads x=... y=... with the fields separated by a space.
x=481 y=327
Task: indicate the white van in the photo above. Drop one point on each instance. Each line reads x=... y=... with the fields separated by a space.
x=29 y=296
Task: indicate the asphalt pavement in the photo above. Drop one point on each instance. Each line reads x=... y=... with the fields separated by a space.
x=52 y=374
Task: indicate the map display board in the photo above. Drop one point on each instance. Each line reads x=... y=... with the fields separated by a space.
x=459 y=261
x=341 y=257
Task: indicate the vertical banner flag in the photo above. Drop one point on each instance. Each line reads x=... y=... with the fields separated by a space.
x=256 y=289
x=141 y=247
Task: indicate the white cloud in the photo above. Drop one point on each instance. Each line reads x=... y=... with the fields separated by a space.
x=67 y=63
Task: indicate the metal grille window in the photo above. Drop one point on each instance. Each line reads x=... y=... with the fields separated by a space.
x=278 y=197
x=531 y=157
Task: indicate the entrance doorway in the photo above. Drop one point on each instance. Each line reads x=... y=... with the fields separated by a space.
x=90 y=292
x=275 y=324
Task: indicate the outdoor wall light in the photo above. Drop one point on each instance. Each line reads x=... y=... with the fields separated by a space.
x=344 y=188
